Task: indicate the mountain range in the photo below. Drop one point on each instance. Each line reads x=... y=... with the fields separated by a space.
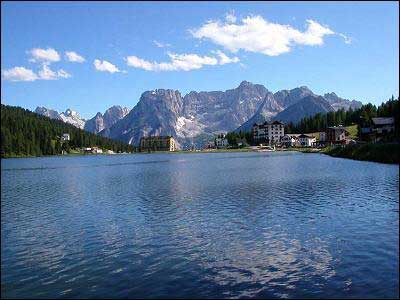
x=98 y=123
x=197 y=116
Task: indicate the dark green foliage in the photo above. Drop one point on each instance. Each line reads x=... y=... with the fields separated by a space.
x=362 y=117
x=241 y=137
x=24 y=133
x=384 y=153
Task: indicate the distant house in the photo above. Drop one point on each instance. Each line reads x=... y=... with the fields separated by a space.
x=65 y=137
x=270 y=133
x=290 y=140
x=322 y=136
x=97 y=150
x=383 y=125
x=306 y=140
x=221 y=141
x=336 y=135
x=379 y=128
x=320 y=139
x=158 y=143
x=87 y=149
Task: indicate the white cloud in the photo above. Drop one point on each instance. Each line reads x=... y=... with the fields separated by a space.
x=105 y=66
x=74 y=57
x=224 y=59
x=347 y=40
x=19 y=74
x=63 y=74
x=230 y=17
x=161 y=45
x=48 y=55
x=255 y=34
x=180 y=62
x=23 y=74
x=47 y=74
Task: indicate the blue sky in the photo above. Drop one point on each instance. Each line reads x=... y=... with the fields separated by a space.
x=118 y=50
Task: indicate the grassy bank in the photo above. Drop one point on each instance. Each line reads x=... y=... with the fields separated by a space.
x=383 y=153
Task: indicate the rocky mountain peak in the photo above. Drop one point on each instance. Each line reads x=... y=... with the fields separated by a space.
x=70 y=112
x=50 y=113
x=245 y=83
x=331 y=94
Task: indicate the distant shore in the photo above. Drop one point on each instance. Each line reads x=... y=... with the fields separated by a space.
x=382 y=153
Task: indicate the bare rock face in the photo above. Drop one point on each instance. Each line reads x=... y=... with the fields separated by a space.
x=69 y=116
x=156 y=113
x=197 y=116
x=165 y=112
x=287 y=98
x=72 y=117
x=95 y=124
x=101 y=122
x=306 y=107
x=340 y=103
x=98 y=123
x=50 y=113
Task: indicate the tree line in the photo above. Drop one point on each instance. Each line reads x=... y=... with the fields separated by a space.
x=24 y=133
x=361 y=117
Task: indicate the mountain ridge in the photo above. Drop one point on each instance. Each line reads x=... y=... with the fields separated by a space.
x=197 y=116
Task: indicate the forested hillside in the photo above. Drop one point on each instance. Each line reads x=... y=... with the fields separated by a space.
x=361 y=117
x=24 y=133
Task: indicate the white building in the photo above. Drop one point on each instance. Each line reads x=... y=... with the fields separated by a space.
x=271 y=133
x=97 y=150
x=290 y=140
x=306 y=140
x=65 y=137
x=221 y=141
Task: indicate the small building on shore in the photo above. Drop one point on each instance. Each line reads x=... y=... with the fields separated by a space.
x=86 y=149
x=383 y=126
x=335 y=135
x=221 y=141
x=157 y=143
x=97 y=150
x=306 y=140
x=290 y=140
x=379 y=129
x=270 y=133
x=65 y=137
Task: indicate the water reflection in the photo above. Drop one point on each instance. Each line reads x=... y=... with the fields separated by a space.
x=216 y=225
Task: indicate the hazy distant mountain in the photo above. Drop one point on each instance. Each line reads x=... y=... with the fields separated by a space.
x=166 y=112
x=100 y=122
x=69 y=116
x=52 y=114
x=337 y=103
x=197 y=116
x=308 y=106
x=73 y=118
x=281 y=100
x=287 y=98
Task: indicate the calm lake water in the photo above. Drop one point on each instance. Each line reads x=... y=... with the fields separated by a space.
x=221 y=225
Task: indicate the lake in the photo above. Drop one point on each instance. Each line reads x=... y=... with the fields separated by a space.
x=213 y=225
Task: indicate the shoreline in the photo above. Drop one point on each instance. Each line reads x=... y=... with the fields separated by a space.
x=381 y=153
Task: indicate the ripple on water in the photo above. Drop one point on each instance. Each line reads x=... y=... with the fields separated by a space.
x=215 y=225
